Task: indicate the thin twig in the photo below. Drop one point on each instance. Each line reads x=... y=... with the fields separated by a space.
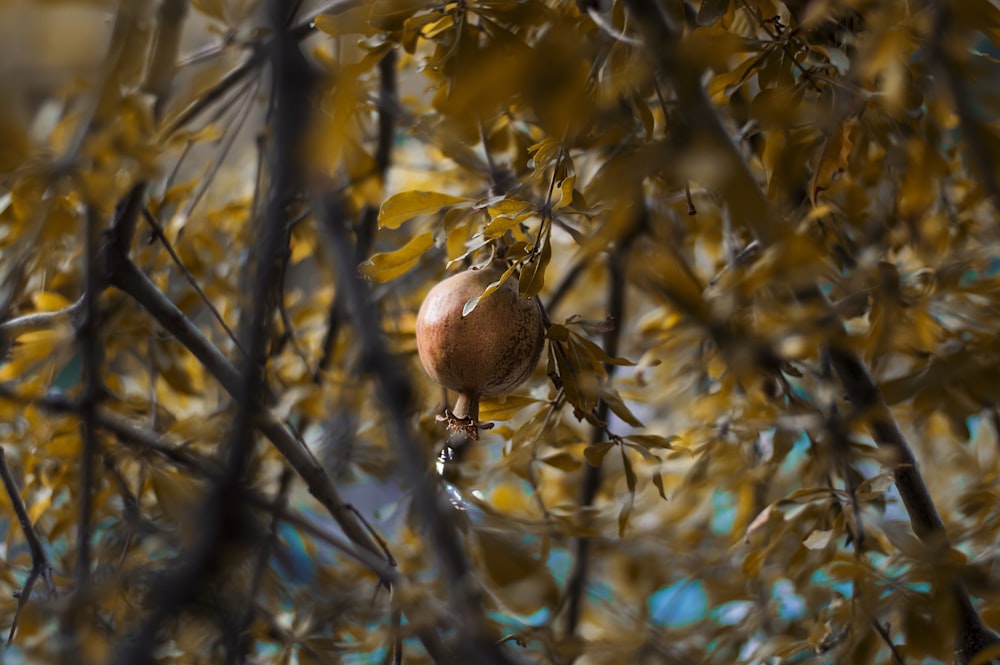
x=89 y=336
x=975 y=131
x=260 y=565
x=132 y=281
x=883 y=632
x=617 y=261
x=40 y=565
x=130 y=502
x=257 y=58
x=240 y=114
x=753 y=212
x=223 y=511
x=396 y=396
x=124 y=430
x=163 y=58
x=12 y=329
x=162 y=237
x=388 y=112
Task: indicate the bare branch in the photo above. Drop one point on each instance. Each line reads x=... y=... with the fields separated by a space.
x=89 y=336
x=974 y=129
x=258 y=57
x=617 y=260
x=752 y=212
x=395 y=395
x=40 y=565
x=163 y=59
x=161 y=236
x=11 y=329
x=132 y=281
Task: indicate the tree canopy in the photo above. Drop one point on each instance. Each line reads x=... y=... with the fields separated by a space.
x=763 y=238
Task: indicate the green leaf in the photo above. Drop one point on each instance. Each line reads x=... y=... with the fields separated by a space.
x=405 y=206
x=387 y=266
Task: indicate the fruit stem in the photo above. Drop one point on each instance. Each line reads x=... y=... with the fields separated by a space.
x=467 y=407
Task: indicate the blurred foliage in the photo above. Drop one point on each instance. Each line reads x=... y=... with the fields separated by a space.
x=742 y=512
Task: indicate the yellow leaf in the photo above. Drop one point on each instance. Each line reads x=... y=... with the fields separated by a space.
x=303 y=243
x=533 y=276
x=177 y=494
x=352 y=22
x=596 y=452
x=833 y=158
x=504 y=409
x=505 y=215
x=407 y=205
x=48 y=301
x=505 y=560
x=510 y=498
x=473 y=302
x=64 y=445
x=387 y=266
x=565 y=192
x=563 y=461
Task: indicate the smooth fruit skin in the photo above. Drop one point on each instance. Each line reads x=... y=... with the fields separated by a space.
x=487 y=353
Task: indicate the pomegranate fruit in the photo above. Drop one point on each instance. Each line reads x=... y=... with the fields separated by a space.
x=487 y=353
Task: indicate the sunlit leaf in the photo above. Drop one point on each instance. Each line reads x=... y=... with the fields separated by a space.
x=490 y=289
x=388 y=266
x=407 y=205
x=533 y=274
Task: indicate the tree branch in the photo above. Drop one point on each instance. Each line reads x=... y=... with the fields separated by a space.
x=257 y=58
x=395 y=394
x=751 y=209
x=89 y=337
x=40 y=565
x=976 y=132
x=163 y=59
x=617 y=261
x=11 y=329
x=388 y=110
x=132 y=281
x=162 y=237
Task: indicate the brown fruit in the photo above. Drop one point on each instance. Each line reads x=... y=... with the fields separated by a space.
x=487 y=353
